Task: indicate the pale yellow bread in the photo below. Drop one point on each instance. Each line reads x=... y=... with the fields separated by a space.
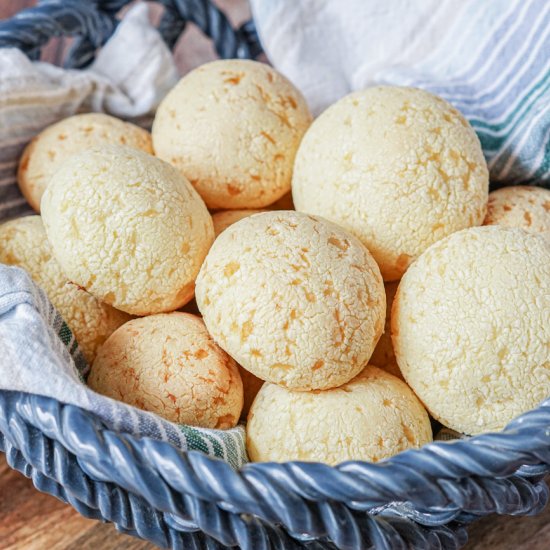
x=294 y=299
x=398 y=167
x=127 y=227
x=471 y=327
x=23 y=243
x=232 y=127
x=522 y=206
x=50 y=148
x=372 y=417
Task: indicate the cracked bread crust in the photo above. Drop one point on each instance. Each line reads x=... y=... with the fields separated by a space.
x=23 y=243
x=45 y=154
x=294 y=299
x=522 y=206
x=232 y=127
x=471 y=327
x=398 y=167
x=127 y=227
x=372 y=417
x=168 y=364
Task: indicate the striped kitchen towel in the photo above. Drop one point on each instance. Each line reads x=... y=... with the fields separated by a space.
x=128 y=78
x=489 y=58
x=40 y=356
x=39 y=353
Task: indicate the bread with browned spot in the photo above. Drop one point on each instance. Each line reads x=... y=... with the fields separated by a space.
x=232 y=127
x=294 y=299
x=168 y=364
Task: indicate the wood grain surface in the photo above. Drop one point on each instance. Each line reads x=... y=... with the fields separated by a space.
x=30 y=520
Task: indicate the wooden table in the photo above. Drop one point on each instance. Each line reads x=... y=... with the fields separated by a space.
x=30 y=520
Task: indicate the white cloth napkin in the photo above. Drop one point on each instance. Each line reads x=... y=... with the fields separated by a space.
x=489 y=58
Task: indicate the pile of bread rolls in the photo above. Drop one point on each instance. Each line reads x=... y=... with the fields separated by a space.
x=390 y=285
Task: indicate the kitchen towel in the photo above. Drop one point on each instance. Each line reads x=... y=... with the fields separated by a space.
x=489 y=58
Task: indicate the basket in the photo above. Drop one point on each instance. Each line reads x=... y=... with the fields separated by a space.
x=418 y=499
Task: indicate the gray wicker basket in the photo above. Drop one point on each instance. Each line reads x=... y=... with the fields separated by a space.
x=417 y=499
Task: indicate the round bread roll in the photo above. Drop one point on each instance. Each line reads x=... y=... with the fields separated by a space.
x=232 y=127
x=520 y=206
x=383 y=355
x=23 y=243
x=373 y=417
x=294 y=299
x=127 y=227
x=222 y=220
x=50 y=148
x=251 y=387
x=168 y=364
x=471 y=327
x=398 y=167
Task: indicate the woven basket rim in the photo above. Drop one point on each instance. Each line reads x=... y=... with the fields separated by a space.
x=507 y=456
